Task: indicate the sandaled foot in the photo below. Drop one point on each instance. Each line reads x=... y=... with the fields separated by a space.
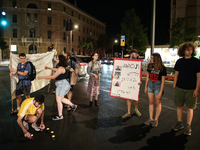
x=58 y=117
x=14 y=112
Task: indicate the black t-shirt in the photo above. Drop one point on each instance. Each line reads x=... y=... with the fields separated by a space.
x=188 y=69
x=156 y=75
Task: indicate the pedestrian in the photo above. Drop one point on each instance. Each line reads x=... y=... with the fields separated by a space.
x=72 y=65
x=30 y=111
x=94 y=69
x=186 y=84
x=24 y=85
x=154 y=86
x=62 y=85
x=133 y=55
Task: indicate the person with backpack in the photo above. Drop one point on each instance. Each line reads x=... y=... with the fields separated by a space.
x=72 y=65
x=24 y=85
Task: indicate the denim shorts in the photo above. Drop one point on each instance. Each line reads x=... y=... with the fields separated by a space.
x=62 y=87
x=154 y=87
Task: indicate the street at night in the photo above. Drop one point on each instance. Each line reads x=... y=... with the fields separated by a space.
x=99 y=127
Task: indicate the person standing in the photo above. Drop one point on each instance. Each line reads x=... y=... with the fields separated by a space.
x=154 y=86
x=133 y=55
x=186 y=84
x=72 y=65
x=94 y=69
x=31 y=110
x=24 y=85
x=62 y=85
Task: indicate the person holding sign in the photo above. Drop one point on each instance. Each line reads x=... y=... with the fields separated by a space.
x=94 y=70
x=133 y=55
x=154 y=86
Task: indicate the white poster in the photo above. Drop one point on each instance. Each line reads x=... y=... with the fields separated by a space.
x=126 y=76
x=39 y=61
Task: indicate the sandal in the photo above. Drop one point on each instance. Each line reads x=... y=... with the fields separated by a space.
x=68 y=107
x=58 y=117
x=14 y=112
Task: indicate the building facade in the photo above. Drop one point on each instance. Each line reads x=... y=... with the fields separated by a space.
x=186 y=8
x=33 y=25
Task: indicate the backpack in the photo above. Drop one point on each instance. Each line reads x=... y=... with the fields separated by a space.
x=31 y=75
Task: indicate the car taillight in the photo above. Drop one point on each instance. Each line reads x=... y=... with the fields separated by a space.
x=82 y=64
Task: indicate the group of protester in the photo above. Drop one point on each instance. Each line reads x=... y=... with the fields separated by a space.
x=186 y=86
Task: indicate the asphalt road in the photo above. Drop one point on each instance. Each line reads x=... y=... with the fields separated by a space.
x=98 y=128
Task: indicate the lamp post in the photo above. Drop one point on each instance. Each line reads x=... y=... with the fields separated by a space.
x=112 y=46
x=76 y=27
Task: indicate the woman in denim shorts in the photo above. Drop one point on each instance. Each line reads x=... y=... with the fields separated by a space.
x=62 y=85
x=154 y=86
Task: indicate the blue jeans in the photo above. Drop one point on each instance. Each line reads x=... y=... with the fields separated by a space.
x=154 y=87
x=62 y=87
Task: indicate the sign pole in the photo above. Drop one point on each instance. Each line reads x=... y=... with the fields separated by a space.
x=11 y=81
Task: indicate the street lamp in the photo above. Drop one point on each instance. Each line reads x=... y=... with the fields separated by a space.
x=116 y=41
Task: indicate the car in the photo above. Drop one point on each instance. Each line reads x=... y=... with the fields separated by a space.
x=81 y=64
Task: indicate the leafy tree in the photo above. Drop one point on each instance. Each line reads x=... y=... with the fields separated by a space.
x=3 y=45
x=135 y=33
x=88 y=44
x=181 y=33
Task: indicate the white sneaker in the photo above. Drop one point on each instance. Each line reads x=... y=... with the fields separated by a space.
x=36 y=127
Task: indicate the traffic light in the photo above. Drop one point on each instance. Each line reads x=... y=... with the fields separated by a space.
x=4 y=21
x=71 y=25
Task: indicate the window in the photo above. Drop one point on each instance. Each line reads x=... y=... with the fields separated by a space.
x=49 y=20
x=79 y=17
x=87 y=31
x=64 y=36
x=64 y=9
x=14 y=33
x=93 y=33
x=48 y=6
x=32 y=33
x=90 y=32
x=83 y=19
x=35 y=17
x=64 y=22
x=49 y=34
x=79 y=38
x=83 y=29
x=14 y=3
x=28 y=17
x=14 y=18
x=72 y=13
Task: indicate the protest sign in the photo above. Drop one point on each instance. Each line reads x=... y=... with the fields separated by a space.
x=126 y=76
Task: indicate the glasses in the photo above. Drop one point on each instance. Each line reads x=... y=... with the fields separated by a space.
x=95 y=55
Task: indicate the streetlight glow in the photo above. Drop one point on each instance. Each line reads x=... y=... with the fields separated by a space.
x=76 y=26
x=116 y=41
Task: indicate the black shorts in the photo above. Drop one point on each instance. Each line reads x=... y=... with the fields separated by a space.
x=71 y=88
x=25 y=89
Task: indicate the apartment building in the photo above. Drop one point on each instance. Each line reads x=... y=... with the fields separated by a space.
x=33 y=25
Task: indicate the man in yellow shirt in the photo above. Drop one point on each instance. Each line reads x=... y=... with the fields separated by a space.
x=30 y=111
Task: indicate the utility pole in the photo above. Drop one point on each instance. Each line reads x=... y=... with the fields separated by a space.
x=153 y=27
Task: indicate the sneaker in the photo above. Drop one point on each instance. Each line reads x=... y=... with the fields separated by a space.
x=154 y=123
x=25 y=125
x=188 y=130
x=148 y=122
x=178 y=126
x=138 y=113
x=36 y=127
x=74 y=108
x=127 y=115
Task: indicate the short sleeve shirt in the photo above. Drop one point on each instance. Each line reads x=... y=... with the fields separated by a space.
x=156 y=75
x=188 y=69
x=20 y=68
x=28 y=108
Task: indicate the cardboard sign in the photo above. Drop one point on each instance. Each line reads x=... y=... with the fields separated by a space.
x=126 y=76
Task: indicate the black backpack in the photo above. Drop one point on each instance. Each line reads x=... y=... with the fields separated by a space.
x=31 y=75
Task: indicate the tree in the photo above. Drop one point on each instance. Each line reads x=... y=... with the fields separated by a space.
x=135 y=33
x=3 y=45
x=105 y=44
x=88 y=44
x=181 y=33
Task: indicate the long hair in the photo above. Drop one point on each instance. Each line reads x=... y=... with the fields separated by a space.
x=157 y=62
x=62 y=61
x=183 y=46
x=93 y=55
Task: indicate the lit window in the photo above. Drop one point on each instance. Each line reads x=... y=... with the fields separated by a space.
x=49 y=6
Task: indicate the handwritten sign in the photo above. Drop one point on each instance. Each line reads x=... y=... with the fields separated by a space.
x=126 y=76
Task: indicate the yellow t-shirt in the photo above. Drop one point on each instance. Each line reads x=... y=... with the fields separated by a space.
x=28 y=108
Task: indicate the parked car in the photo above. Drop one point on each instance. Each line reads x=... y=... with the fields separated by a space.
x=81 y=64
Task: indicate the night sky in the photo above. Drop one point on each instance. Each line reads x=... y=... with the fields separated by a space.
x=111 y=12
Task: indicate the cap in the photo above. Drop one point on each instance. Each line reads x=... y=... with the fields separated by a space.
x=133 y=51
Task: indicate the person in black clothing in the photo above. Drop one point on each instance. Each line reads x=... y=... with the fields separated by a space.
x=186 y=84
x=62 y=85
x=154 y=86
